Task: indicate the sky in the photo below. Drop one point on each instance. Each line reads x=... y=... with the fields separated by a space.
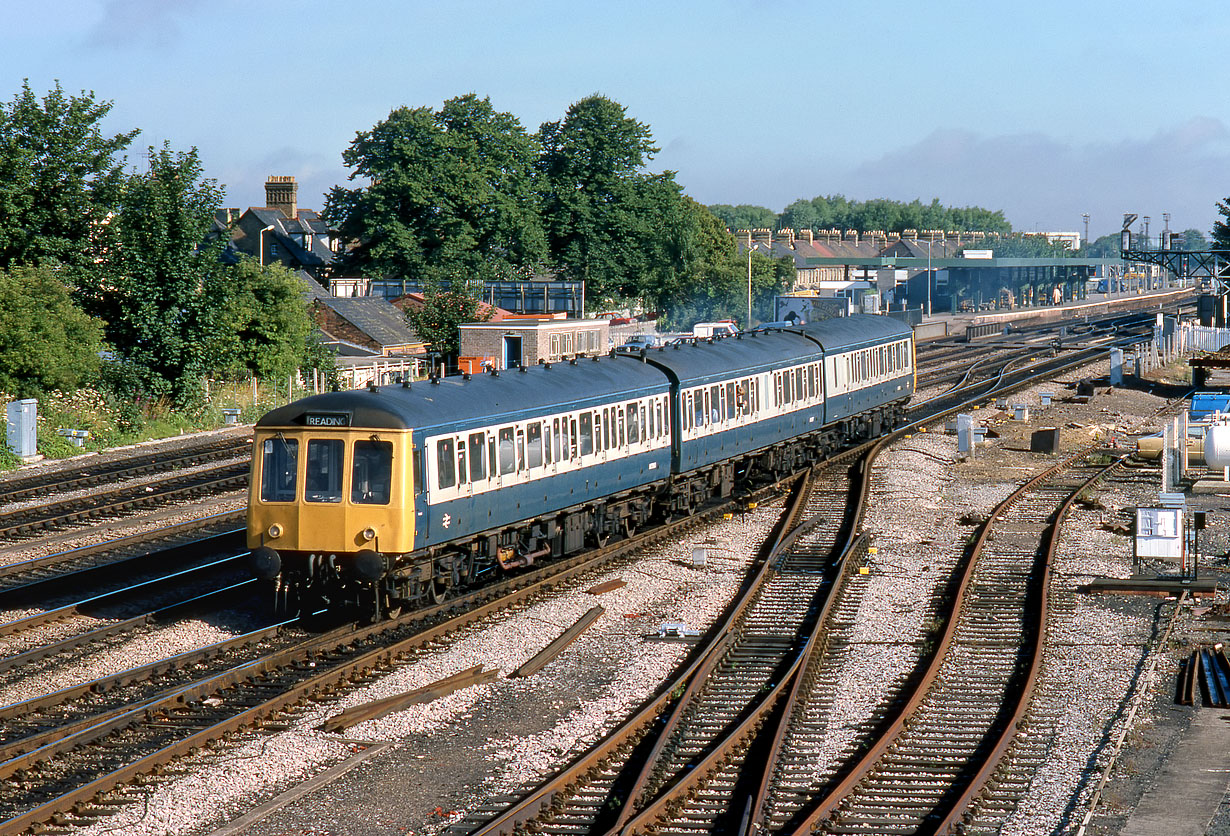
x=1044 y=110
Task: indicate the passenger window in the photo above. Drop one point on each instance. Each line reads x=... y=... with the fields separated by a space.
x=462 y=472
x=445 y=477
x=587 y=433
x=730 y=401
x=508 y=453
x=645 y=432
x=279 y=467
x=570 y=438
x=533 y=444
x=520 y=451
x=555 y=439
x=698 y=412
x=619 y=413
x=798 y=384
x=324 y=470
x=652 y=424
x=634 y=432
x=478 y=464
x=606 y=429
x=664 y=418
x=372 y=475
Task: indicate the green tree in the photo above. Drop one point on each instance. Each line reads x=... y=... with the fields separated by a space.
x=46 y=341
x=438 y=321
x=605 y=217
x=1105 y=247
x=163 y=291
x=1221 y=228
x=713 y=284
x=265 y=329
x=1190 y=239
x=745 y=216
x=60 y=178
x=1023 y=246
x=451 y=194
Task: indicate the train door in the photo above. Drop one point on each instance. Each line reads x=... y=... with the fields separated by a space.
x=325 y=519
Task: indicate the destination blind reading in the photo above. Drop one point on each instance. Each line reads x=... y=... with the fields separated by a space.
x=327 y=419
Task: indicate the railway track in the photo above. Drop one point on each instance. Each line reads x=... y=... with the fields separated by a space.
x=95 y=472
x=38 y=581
x=705 y=715
x=33 y=519
x=722 y=749
x=937 y=752
x=72 y=763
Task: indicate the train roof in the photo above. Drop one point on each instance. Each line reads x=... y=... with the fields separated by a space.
x=695 y=362
x=856 y=331
x=481 y=399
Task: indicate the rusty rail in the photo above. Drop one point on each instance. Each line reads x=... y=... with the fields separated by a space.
x=825 y=806
x=978 y=784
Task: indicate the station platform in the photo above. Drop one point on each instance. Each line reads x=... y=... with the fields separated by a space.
x=942 y=325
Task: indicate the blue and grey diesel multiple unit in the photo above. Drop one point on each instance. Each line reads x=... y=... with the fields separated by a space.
x=390 y=496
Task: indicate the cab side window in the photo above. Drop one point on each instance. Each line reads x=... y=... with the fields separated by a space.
x=279 y=466
x=372 y=474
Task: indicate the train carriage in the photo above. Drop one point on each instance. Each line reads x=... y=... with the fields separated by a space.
x=465 y=473
x=390 y=496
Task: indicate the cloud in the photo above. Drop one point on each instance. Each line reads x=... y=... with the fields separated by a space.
x=1042 y=181
x=127 y=23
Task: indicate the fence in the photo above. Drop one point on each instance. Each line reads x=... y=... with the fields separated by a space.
x=1184 y=341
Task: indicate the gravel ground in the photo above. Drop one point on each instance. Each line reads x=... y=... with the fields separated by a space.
x=448 y=756
x=457 y=751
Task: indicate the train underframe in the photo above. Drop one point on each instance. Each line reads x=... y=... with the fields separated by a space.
x=382 y=585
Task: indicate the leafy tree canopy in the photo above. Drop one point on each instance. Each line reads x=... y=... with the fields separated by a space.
x=1190 y=239
x=60 y=177
x=745 y=216
x=1221 y=228
x=839 y=212
x=437 y=322
x=46 y=341
x=163 y=292
x=265 y=327
x=715 y=283
x=451 y=193
x=1023 y=246
x=608 y=221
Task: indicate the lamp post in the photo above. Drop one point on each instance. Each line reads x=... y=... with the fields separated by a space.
x=928 y=242
x=261 y=243
x=1086 y=217
x=748 y=325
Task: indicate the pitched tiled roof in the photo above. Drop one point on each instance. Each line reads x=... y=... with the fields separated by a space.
x=375 y=317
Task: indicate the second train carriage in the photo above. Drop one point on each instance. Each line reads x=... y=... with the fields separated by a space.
x=394 y=494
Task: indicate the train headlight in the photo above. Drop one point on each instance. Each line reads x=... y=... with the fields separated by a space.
x=275 y=531
x=369 y=534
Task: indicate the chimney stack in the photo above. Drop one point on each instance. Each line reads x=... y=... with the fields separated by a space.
x=282 y=193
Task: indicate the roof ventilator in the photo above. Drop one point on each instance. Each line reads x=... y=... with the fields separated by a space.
x=371 y=386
